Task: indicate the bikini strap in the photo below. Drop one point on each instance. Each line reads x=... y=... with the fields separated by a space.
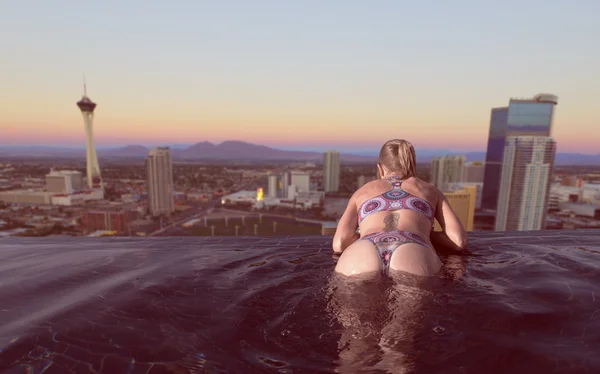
x=395 y=181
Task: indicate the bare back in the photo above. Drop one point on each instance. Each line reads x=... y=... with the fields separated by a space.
x=403 y=219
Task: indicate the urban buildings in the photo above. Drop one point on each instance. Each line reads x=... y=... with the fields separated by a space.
x=64 y=181
x=585 y=193
x=290 y=188
x=460 y=186
x=581 y=209
x=447 y=169
x=284 y=185
x=33 y=197
x=527 y=166
x=111 y=219
x=64 y=187
x=78 y=197
x=302 y=200
x=463 y=203
x=87 y=106
x=272 y=186
x=331 y=171
x=159 y=169
x=473 y=172
x=522 y=117
x=299 y=183
x=572 y=181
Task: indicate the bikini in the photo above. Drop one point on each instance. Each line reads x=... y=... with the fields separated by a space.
x=387 y=242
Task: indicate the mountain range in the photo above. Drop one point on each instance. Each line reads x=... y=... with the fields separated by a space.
x=239 y=150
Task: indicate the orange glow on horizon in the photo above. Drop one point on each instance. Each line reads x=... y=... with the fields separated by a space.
x=61 y=130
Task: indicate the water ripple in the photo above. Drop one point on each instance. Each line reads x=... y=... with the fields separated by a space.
x=224 y=306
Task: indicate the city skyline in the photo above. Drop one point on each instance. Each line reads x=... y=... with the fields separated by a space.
x=288 y=77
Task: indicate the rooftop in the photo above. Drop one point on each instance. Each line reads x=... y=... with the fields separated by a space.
x=28 y=192
x=517 y=301
x=60 y=173
x=540 y=98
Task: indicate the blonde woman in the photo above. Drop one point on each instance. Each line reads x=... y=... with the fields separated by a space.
x=395 y=215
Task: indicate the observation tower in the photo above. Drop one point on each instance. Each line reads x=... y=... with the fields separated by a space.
x=87 y=107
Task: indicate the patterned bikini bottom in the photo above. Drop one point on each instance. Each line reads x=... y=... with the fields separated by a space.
x=387 y=242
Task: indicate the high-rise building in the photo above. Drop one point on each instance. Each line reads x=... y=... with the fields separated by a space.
x=301 y=180
x=299 y=184
x=331 y=171
x=522 y=117
x=473 y=172
x=87 y=106
x=360 y=181
x=272 y=186
x=64 y=181
x=285 y=185
x=463 y=203
x=525 y=183
x=159 y=169
x=460 y=186
x=447 y=169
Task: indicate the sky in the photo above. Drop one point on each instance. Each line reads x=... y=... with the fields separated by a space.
x=309 y=74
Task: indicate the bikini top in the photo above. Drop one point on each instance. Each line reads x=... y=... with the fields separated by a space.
x=395 y=199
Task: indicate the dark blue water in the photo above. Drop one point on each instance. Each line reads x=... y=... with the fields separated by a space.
x=518 y=304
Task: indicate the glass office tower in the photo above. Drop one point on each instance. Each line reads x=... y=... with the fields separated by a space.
x=522 y=117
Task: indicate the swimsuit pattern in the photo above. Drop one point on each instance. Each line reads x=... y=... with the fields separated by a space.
x=387 y=242
x=395 y=199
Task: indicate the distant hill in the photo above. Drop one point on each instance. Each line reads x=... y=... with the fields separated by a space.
x=239 y=150
x=227 y=150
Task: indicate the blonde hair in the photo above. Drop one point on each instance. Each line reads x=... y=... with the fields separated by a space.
x=398 y=156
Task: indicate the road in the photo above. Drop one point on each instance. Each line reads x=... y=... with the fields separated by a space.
x=195 y=212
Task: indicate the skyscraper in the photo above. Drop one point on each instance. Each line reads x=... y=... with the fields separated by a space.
x=331 y=171
x=522 y=117
x=64 y=181
x=301 y=180
x=473 y=172
x=360 y=181
x=272 y=186
x=447 y=169
x=525 y=183
x=159 y=169
x=285 y=184
x=463 y=203
x=87 y=106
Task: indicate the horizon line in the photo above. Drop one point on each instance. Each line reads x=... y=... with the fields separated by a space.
x=357 y=152
x=184 y=145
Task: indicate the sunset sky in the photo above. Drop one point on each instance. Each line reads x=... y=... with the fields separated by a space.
x=295 y=74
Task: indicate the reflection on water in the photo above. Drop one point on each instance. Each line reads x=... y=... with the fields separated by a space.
x=252 y=305
x=381 y=316
x=378 y=319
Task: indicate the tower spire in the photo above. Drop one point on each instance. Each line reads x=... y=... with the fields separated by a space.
x=84 y=86
x=87 y=107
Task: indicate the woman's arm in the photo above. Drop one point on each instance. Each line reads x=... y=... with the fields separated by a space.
x=443 y=244
x=345 y=233
x=453 y=233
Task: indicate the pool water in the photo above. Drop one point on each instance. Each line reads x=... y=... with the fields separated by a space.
x=521 y=304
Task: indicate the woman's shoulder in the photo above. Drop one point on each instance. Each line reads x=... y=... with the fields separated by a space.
x=420 y=183
x=423 y=187
x=369 y=190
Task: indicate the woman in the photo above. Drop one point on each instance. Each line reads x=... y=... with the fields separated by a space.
x=395 y=215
